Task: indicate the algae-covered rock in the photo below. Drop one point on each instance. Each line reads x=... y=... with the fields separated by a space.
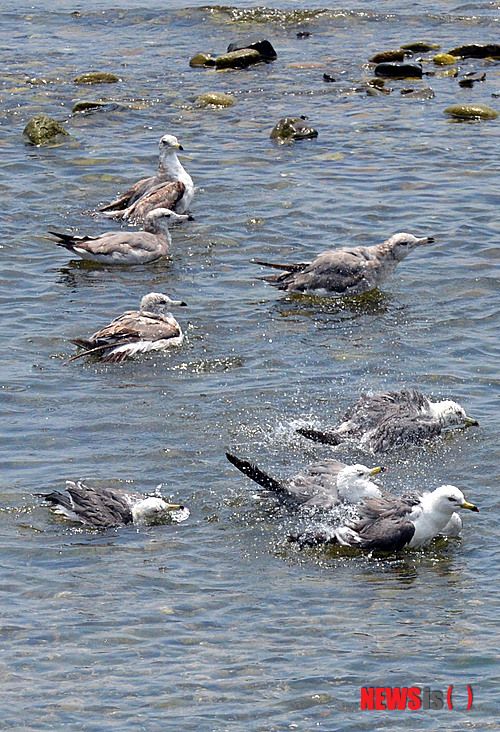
x=471 y=111
x=292 y=128
x=95 y=107
x=447 y=72
x=397 y=55
x=237 y=59
x=398 y=70
x=215 y=99
x=202 y=59
x=476 y=50
x=42 y=129
x=96 y=77
x=444 y=59
x=420 y=46
x=419 y=94
x=264 y=48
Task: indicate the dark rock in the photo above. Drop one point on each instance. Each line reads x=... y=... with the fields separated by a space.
x=292 y=128
x=202 y=59
x=303 y=34
x=42 y=129
x=397 y=70
x=328 y=77
x=264 y=47
x=419 y=94
x=420 y=46
x=470 y=78
x=377 y=83
x=476 y=51
x=398 y=55
x=95 y=107
x=471 y=111
x=96 y=77
x=238 y=59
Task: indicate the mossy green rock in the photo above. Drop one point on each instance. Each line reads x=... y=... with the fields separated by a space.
x=202 y=59
x=477 y=51
x=237 y=59
x=215 y=99
x=292 y=128
x=471 y=111
x=42 y=129
x=96 y=77
x=420 y=46
x=444 y=59
x=398 y=55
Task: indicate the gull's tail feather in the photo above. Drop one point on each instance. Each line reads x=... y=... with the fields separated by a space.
x=118 y=205
x=327 y=438
x=256 y=474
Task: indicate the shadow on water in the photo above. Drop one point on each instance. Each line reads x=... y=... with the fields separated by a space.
x=372 y=303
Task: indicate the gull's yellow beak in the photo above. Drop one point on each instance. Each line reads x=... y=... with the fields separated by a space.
x=376 y=470
x=470 y=506
x=179 y=146
x=469 y=422
x=174 y=507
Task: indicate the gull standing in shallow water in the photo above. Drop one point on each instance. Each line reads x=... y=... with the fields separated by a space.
x=104 y=508
x=347 y=270
x=171 y=188
x=125 y=247
x=389 y=524
x=381 y=422
x=151 y=328
x=320 y=485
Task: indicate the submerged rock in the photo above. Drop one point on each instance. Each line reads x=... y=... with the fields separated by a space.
x=476 y=50
x=420 y=46
x=292 y=128
x=419 y=94
x=397 y=70
x=202 y=59
x=95 y=107
x=329 y=78
x=215 y=99
x=262 y=46
x=42 y=129
x=397 y=55
x=238 y=59
x=470 y=78
x=471 y=111
x=96 y=77
x=444 y=59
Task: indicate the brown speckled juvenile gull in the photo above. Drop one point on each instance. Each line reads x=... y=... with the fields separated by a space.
x=151 y=328
x=320 y=485
x=347 y=270
x=125 y=247
x=392 y=523
x=104 y=508
x=393 y=419
x=171 y=188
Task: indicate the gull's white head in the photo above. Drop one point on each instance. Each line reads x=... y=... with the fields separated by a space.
x=447 y=499
x=158 y=303
x=159 y=219
x=402 y=244
x=451 y=414
x=168 y=143
x=354 y=484
x=152 y=509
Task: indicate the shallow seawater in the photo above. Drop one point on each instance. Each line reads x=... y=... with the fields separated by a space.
x=218 y=623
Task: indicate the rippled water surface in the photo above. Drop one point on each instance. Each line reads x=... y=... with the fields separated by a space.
x=217 y=623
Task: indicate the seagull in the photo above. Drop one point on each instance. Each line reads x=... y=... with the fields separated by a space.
x=320 y=485
x=347 y=270
x=171 y=188
x=391 y=524
x=381 y=422
x=151 y=328
x=125 y=247
x=103 y=508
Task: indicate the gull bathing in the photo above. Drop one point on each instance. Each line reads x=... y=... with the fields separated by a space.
x=104 y=508
x=320 y=485
x=125 y=247
x=151 y=328
x=390 y=524
x=381 y=422
x=171 y=188
x=347 y=270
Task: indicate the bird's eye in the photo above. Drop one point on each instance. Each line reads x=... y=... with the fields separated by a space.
x=450 y=498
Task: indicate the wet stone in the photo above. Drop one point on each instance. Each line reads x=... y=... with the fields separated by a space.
x=95 y=107
x=42 y=129
x=397 y=70
x=397 y=55
x=292 y=128
x=96 y=77
x=477 y=51
x=470 y=78
x=238 y=59
x=215 y=99
x=418 y=94
x=262 y=46
x=444 y=59
x=471 y=111
x=329 y=78
x=202 y=59
x=420 y=46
